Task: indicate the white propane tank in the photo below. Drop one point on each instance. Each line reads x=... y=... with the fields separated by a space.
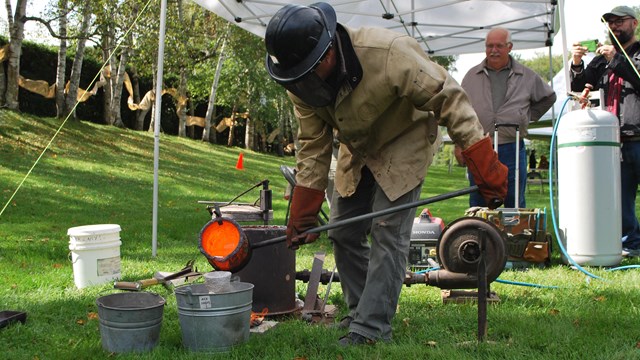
x=589 y=187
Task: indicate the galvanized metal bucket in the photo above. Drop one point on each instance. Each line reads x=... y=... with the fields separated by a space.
x=214 y=320
x=130 y=322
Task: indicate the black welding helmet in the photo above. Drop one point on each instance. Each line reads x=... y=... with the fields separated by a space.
x=297 y=38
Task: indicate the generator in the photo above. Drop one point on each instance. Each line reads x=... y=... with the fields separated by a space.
x=528 y=242
x=424 y=235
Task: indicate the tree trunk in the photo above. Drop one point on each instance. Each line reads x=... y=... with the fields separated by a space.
x=106 y=41
x=207 y=134
x=16 y=35
x=192 y=128
x=249 y=132
x=230 y=138
x=76 y=69
x=181 y=103
x=116 y=107
x=3 y=85
x=231 y=127
x=263 y=141
x=154 y=71
x=135 y=84
x=62 y=58
x=112 y=80
x=116 y=114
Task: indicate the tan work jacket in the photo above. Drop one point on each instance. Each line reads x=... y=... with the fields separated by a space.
x=389 y=122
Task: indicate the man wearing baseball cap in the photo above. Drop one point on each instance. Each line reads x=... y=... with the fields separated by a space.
x=615 y=70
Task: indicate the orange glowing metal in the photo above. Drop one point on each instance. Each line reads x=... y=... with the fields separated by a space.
x=220 y=240
x=224 y=244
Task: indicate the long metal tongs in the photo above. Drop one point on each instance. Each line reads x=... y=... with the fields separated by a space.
x=186 y=271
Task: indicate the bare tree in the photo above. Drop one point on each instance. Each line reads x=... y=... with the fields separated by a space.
x=62 y=57
x=207 y=134
x=76 y=69
x=105 y=42
x=117 y=80
x=16 y=35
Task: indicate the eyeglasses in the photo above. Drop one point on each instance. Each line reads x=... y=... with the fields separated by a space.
x=618 y=21
x=323 y=57
x=498 y=46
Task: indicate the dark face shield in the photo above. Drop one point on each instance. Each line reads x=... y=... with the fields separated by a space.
x=311 y=89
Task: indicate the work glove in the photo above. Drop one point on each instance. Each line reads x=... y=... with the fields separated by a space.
x=457 y=152
x=305 y=206
x=488 y=172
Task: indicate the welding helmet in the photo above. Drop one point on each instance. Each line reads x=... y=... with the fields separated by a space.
x=297 y=39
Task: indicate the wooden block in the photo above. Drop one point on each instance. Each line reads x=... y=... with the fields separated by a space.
x=466 y=296
x=264 y=326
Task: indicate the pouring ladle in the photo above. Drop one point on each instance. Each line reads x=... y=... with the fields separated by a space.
x=227 y=248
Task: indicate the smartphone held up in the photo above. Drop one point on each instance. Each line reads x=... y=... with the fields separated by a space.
x=591 y=45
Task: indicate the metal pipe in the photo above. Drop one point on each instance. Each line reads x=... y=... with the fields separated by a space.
x=375 y=214
x=156 y=128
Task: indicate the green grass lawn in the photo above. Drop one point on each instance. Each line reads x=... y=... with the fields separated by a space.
x=94 y=174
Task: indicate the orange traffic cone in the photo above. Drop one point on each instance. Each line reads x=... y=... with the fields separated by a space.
x=239 y=164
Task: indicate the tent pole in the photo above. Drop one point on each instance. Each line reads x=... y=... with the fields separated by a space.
x=156 y=129
x=553 y=110
x=565 y=52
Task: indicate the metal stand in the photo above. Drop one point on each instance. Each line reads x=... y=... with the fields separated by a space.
x=516 y=202
x=244 y=212
x=483 y=296
x=315 y=309
x=483 y=289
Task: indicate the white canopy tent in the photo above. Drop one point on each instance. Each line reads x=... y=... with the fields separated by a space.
x=443 y=27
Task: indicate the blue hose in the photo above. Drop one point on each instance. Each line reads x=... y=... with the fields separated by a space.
x=509 y=282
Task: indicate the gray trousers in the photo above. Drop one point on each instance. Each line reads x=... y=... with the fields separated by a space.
x=372 y=274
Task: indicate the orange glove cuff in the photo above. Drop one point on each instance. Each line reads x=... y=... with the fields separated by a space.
x=488 y=172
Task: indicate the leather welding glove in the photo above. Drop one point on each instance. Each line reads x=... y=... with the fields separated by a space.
x=488 y=172
x=305 y=207
x=457 y=153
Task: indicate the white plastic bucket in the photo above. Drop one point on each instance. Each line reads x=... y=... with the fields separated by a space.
x=95 y=254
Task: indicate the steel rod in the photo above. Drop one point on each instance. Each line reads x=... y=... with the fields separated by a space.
x=375 y=214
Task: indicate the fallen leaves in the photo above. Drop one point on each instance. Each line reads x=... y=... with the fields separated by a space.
x=90 y=316
x=405 y=321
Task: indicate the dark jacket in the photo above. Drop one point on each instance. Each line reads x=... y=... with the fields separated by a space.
x=597 y=74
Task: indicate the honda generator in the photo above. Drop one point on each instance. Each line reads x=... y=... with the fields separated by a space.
x=424 y=235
